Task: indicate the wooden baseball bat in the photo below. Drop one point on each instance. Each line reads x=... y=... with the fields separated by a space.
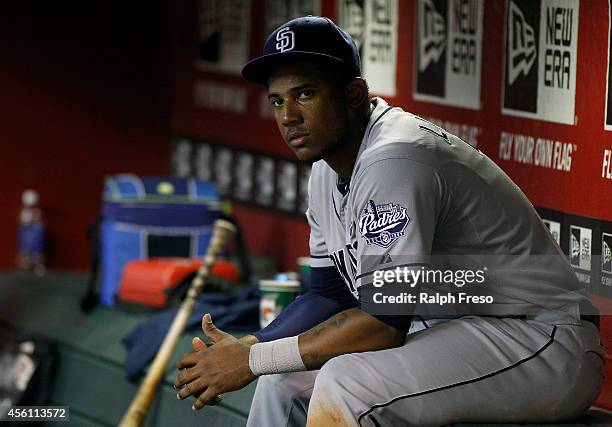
x=223 y=230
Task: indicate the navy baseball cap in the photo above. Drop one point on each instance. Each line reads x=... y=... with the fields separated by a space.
x=305 y=38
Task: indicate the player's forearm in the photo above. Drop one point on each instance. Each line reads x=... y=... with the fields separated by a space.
x=351 y=331
x=302 y=314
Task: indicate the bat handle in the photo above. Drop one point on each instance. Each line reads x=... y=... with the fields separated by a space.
x=137 y=411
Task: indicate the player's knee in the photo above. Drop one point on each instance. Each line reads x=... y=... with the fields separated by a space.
x=334 y=398
x=344 y=388
x=337 y=378
x=335 y=370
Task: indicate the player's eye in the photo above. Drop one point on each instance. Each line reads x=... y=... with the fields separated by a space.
x=305 y=94
x=275 y=101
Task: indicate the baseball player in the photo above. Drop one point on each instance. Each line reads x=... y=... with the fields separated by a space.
x=393 y=197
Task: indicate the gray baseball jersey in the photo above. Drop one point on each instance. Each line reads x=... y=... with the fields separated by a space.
x=417 y=191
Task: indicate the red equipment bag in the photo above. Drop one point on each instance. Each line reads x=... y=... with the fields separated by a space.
x=149 y=282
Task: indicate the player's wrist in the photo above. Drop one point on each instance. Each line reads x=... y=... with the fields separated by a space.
x=275 y=357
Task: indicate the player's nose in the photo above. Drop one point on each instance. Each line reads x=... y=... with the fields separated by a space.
x=291 y=114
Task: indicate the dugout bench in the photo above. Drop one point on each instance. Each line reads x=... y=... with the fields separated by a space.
x=89 y=373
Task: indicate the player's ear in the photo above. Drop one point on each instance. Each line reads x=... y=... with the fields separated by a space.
x=357 y=92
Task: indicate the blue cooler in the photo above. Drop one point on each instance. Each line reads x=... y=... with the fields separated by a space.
x=152 y=217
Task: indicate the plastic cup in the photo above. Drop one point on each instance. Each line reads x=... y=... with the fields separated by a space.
x=275 y=296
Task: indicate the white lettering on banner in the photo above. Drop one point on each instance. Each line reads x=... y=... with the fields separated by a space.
x=523 y=149
x=562 y=156
x=505 y=146
x=544 y=152
x=220 y=97
x=540 y=152
x=606 y=167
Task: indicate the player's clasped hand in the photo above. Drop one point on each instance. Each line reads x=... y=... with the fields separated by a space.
x=210 y=371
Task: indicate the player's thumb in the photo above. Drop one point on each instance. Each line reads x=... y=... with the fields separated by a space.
x=198 y=344
x=210 y=330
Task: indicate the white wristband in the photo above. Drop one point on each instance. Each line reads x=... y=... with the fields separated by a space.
x=275 y=357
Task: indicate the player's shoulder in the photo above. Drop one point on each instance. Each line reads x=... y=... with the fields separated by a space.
x=396 y=134
x=321 y=175
x=388 y=123
x=320 y=170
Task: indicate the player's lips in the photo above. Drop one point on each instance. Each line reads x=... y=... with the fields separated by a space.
x=295 y=139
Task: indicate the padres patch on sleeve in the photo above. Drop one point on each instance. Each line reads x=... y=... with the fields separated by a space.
x=383 y=224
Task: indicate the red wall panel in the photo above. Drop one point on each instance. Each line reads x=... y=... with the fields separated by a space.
x=84 y=94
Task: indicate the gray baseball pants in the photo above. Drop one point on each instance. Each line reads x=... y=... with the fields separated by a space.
x=473 y=369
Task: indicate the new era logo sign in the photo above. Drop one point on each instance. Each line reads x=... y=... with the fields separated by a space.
x=555 y=229
x=449 y=52
x=540 y=59
x=580 y=247
x=521 y=70
x=432 y=35
x=521 y=44
x=285 y=40
x=432 y=41
x=606 y=253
